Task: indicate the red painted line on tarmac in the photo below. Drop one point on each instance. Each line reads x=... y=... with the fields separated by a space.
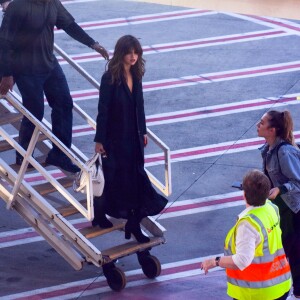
x=181 y=155
x=63 y=291
x=145 y=18
x=205 y=78
x=32 y=234
x=216 y=40
x=205 y=151
x=235 y=74
x=40 y=177
x=175 y=46
x=202 y=204
x=278 y=23
x=16 y=237
x=83 y=129
x=180 y=115
x=221 y=109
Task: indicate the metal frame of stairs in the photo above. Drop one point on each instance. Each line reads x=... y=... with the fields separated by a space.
x=51 y=221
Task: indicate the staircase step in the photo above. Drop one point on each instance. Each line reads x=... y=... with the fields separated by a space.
x=92 y=232
x=4 y=145
x=131 y=247
x=47 y=188
x=70 y=210
x=8 y=118
x=40 y=159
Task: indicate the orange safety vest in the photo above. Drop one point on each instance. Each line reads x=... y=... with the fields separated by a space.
x=268 y=276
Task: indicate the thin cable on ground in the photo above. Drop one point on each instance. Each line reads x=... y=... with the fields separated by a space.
x=221 y=156
x=81 y=294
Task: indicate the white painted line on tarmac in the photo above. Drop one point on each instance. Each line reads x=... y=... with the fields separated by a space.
x=190 y=80
x=143 y=19
x=188 y=44
x=276 y=23
x=188 y=154
x=177 y=209
x=67 y=2
x=205 y=112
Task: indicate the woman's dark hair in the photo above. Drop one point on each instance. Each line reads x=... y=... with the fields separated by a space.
x=256 y=186
x=283 y=123
x=125 y=45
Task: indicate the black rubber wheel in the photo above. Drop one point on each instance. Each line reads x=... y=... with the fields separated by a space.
x=151 y=266
x=115 y=278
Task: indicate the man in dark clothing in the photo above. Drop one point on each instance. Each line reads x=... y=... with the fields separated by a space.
x=27 y=41
x=4 y=4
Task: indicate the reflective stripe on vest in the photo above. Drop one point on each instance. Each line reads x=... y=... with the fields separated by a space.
x=268 y=271
x=263 y=274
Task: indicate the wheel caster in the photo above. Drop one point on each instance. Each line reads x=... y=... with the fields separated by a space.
x=115 y=277
x=150 y=265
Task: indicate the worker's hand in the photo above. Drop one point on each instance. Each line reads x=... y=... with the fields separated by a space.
x=208 y=264
x=274 y=193
x=6 y=84
x=97 y=47
x=100 y=149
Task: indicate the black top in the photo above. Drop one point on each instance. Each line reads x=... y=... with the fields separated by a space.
x=27 y=35
x=119 y=110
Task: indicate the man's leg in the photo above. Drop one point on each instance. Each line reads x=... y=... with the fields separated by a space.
x=58 y=95
x=31 y=89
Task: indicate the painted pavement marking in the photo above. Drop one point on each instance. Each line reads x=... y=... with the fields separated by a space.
x=98 y=285
x=176 y=209
x=188 y=44
x=190 y=80
x=205 y=112
x=143 y=19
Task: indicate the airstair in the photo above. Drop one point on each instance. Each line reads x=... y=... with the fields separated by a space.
x=50 y=205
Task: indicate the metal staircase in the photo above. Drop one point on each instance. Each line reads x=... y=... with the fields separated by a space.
x=51 y=216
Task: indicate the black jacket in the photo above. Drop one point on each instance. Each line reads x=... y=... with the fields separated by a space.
x=117 y=109
x=27 y=35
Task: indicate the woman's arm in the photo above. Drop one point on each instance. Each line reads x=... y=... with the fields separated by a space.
x=289 y=160
x=141 y=116
x=105 y=97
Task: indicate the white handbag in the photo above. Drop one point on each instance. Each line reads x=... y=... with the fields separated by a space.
x=95 y=166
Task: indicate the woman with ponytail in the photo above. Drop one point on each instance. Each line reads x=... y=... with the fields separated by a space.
x=281 y=163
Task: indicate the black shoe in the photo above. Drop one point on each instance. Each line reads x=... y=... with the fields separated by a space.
x=19 y=161
x=63 y=162
x=103 y=223
x=132 y=226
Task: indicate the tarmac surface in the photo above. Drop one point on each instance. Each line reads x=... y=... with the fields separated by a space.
x=210 y=76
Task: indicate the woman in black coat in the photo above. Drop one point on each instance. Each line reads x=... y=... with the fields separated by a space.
x=121 y=136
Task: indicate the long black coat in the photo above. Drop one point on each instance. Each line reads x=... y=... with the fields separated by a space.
x=121 y=128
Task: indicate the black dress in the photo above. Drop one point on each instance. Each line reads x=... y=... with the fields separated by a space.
x=121 y=128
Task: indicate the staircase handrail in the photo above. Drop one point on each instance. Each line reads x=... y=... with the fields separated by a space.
x=39 y=127
x=165 y=188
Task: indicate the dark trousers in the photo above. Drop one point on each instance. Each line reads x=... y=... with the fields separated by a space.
x=291 y=245
x=290 y=226
x=54 y=84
